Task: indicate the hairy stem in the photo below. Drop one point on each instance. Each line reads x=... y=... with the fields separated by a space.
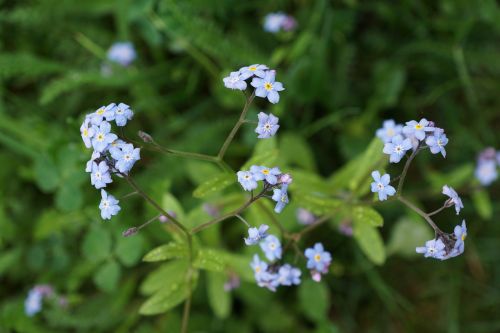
x=421 y=213
x=241 y=121
x=405 y=171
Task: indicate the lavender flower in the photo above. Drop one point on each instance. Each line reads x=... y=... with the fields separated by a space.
x=268 y=125
x=418 y=129
x=381 y=185
x=389 y=130
x=122 y=53
x=247 y=180
x=437 y=142
x=253 y=70
x=256 y=235
x=270 y=175
x=235 y=81
x=108 y=206
x=267 y=87
x=281 y=198
x=272 y=247
x=397 y=148
x=454 y=198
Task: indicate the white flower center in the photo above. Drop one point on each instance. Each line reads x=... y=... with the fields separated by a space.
x=380 y=186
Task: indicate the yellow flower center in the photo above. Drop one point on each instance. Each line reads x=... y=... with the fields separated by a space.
x=257 y=269
x=418 y=126
x=85 y=132
x=390 y=132
x=252 y=68
x=265 y=171
x=100 y=137
x=463 y=237
x=100 y=111
x=317 y=257
x=268 y=86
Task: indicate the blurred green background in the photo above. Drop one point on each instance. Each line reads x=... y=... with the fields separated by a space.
x=346 y=67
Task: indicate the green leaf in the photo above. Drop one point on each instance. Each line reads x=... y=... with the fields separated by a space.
x=317 y=204
x=482 y=203
x=46 y=173
x=220 y=300
x=170 y=203
x=266 y=158
x=173 y=272
x=214 y=185
x=368 y=215
x=370 y=242
x=296 y=151
x=69 y=197
x=97 y=244
x=406 y=235
x=314 y=300
x=167 y=251
x=129 y=249
x=106 y=278
x=210 y=260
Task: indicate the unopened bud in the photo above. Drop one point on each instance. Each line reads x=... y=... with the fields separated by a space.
x=285 y=179
x=164 y=219
x=130 y=232
x=145 y=136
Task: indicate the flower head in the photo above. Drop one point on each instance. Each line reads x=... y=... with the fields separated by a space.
x=87 y=132
x=418 y=129
x=317 y=258
x=122 y=53
x=33 y=303
x=270 y=175
x=247 y=180
x=256 y=235
x=280 y=195
x=454 y=198
x=381 y=185
x=108 y=206
x=102 y=136
x=460 y=232
x=253 y=70
x=389 y=130
x=273 y=22
x=267 y=87
x=486 y=172
x=235 y=81
x=268 y=125
x=437 y=142
x=397 y=148
x=289 y=275
x=125 y=157
x=259 y=267
x=272 y=247
x=433 y=248
x=285 y=179
x=123 y=113
x=100 y=175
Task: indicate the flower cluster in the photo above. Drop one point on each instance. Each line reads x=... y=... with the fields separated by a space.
x=263 y=80
x=122 y=53
x=273 y=180
x=270 y=275
x=446 y=246
x=274 y=22
x=111 y=155
x=34 y=302
x=486 y=168
x=318 y=261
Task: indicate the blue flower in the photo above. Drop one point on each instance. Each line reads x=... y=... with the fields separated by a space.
x=247 y=180
x=87 y=132
x=437 y=142
x=280 y=195
x=256 y=235
x=454 y=198
x=123 y=113
x=273 y=22
x=418 y=129
x=125 y=157
x=381 y=185
x=95 y=155
x=433 y=248
x=272 y=247
x=317 y=258
x=305 y=217
x=253 y=70
x=460 y=232
x=288 y=275
x=33 y=303
x=267 y=87
x=389 y=130
x=268 y=125
x=268 y=280
x=122 y=53
x=262 y=172
x=102 y=137
x=104 y=112
x=235 y=81
x=259 y=267
x=100 y=175
x=397 y=148
x=486 y=172
x=108 y=206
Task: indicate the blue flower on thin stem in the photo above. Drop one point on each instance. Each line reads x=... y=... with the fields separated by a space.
x=454 y=198
x=397 y=148
x=102 y=136
x=317 y=258
x=433 y=248
x=253 y=70
x=256 y=235
x=33 y=303
x=126 y=157
x=381 y=185
x=267 y=87
x=389 y=130
x=108 y=206
x=418 y=129
x=104 y=112
x=100 y=175
x=259 y=267
x=268 y=125
x=235 y=81
x=123 y=113
x=280 y=195
x=247 y=180
x=270 y=175
x=272 y=247
x=437 y=142
x=289 y=275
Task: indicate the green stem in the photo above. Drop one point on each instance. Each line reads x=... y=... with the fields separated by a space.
x=421 y=213
x=241 y=120
x=437 y=210
x=405 y=171
x=187 y=305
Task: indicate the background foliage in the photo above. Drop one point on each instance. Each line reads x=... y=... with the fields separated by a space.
x=349 y=65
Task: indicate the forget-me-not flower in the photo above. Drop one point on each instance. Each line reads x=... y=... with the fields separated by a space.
x=454 y=198
x=235 y=81
x=108 y=206
x=253 y=70
x=270 y=175
x=381 y=185
x=100 y=175
x=259 y=267
x=33 y=303
x=267 y=126
x=389 y=130
x=317 y=258
x=122 y=53
x=103 y=113
x=433 y=248
x=267 y=87
x=87 y=132
x=460 y=232
x=280 y=195
x=486 y=172
x=273 y=22
x=437 y=142
x=272 y=247
x=397 y=148
x=123 y=113
x=95 y=155
x=256 y=235
x=289 y=275
x=247 y=180
x=102 y=136
x=417 y=129
x=126 y=157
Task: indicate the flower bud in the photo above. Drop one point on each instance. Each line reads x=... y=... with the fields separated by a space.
x=285 y=178
x=145 y=136
x=130 y=232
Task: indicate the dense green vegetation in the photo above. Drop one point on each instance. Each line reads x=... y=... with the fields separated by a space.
x=348 y=66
